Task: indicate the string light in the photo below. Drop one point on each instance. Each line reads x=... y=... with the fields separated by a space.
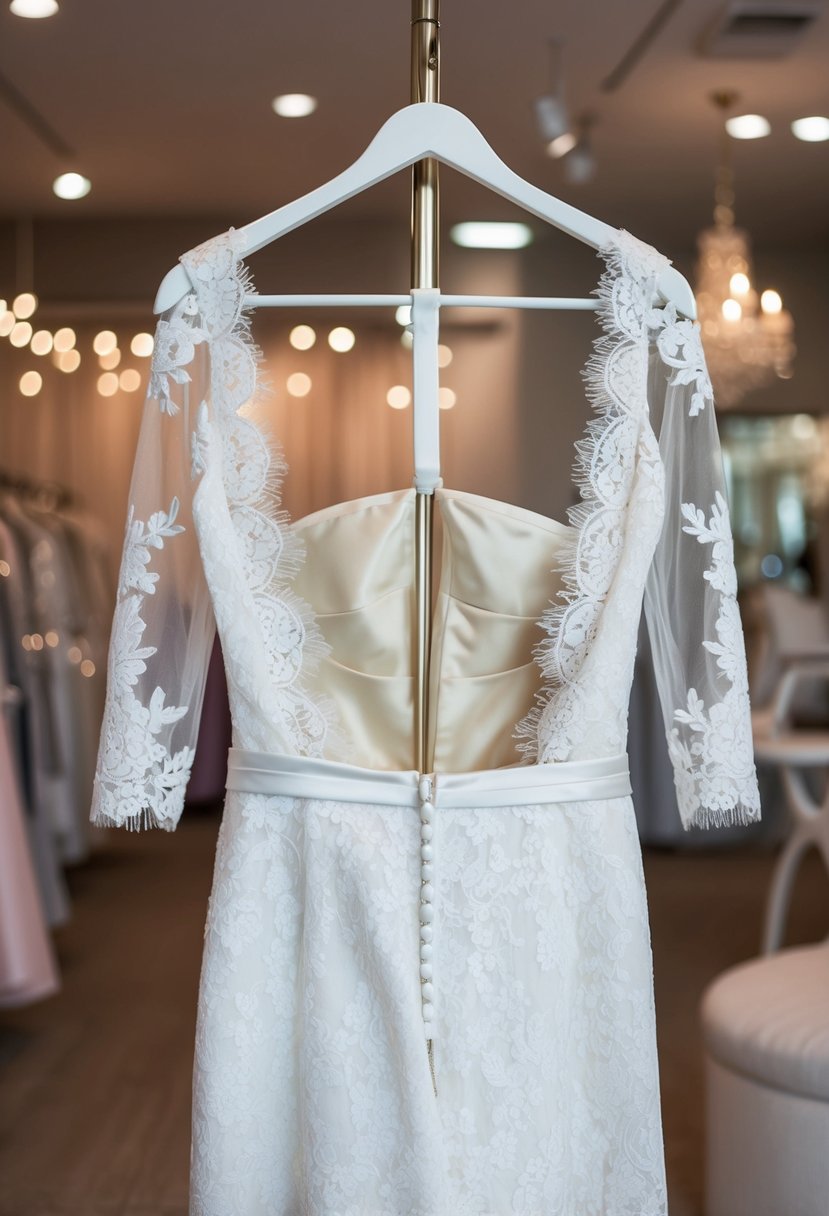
x=444 y=355
x=108 y=384
x=41 y=342
x=129 y=380
x=21 y=334
x=64 y=339
x=31 y=383
x=110 y=360
x=341 y=339
x=7 y=323
x=399 y=397
x=298 y=384
x=302 y=337
x=24 y=305
x=446 y=398
x=142 y=345
x=104 y=342
x=68 y=360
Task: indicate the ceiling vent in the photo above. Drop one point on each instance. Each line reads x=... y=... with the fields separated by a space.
x=758 y=29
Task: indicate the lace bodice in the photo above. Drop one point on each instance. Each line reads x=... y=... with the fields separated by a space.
x=208 y=546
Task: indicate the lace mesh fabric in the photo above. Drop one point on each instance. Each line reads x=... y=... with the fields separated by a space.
x=205 y=499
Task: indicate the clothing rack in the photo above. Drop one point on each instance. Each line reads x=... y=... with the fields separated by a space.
x=50 y=495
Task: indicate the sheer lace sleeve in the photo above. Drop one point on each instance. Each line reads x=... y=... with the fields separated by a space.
x=691 y=593
x=162 y=629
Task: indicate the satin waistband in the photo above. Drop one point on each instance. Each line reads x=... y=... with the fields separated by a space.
x=529 y=784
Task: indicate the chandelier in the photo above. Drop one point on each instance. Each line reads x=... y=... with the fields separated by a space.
x=747 y=336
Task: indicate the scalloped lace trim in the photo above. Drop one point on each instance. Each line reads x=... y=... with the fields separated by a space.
x=605 y=464
x=253 y=469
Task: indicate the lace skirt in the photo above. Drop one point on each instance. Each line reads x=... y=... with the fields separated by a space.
x=313 y=1093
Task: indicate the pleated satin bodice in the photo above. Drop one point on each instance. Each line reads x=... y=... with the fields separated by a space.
x=496 y=576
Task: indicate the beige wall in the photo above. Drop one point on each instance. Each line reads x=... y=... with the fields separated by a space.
x=521 y=402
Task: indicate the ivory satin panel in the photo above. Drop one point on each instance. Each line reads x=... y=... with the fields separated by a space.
x=495 y=579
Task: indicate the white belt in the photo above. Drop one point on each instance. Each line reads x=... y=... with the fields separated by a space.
x=307 y=777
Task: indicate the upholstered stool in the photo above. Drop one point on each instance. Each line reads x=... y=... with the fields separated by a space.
x=765 y=1023
x=766 y=1031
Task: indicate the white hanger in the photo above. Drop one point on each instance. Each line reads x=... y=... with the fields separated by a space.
x=417 y=131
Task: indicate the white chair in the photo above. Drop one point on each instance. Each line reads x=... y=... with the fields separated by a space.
x=766 y=1023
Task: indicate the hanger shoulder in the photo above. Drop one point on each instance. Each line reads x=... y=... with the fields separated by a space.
x=417 y=131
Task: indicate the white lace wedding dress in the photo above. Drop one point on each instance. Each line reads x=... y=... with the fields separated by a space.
x=494 y=906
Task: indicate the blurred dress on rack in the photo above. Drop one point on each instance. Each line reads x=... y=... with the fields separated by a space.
x=27 y=965
x=54 y=597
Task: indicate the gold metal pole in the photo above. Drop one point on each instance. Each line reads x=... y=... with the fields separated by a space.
x=425 y=74
x=424 y=273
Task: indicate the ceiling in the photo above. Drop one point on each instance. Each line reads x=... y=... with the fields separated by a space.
x=166 y=104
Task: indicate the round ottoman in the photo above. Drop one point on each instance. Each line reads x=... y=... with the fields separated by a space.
x=766 y=1032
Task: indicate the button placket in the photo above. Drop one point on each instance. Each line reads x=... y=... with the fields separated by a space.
x=427 y=912
x=427 y=909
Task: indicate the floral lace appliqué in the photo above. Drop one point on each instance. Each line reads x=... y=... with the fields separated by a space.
x=711 y=748
x=139 y=781
x=174 y=346
x=680 y=344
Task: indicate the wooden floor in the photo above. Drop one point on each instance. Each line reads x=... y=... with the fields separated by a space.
x=95 y=1083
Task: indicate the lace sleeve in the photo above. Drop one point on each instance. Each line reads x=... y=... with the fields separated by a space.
x=163 y=628
x=691 y=594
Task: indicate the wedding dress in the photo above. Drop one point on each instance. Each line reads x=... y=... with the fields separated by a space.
x=495 y=904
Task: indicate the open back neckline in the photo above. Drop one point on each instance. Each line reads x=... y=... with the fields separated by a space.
x=366 y=501
x=606 y=457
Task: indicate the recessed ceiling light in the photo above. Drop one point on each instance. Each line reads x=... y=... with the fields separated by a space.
x=813 y=130
x=294 y=105
x=747 y=126
x=71 y=185
x=34 y=8
x=491 y=235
